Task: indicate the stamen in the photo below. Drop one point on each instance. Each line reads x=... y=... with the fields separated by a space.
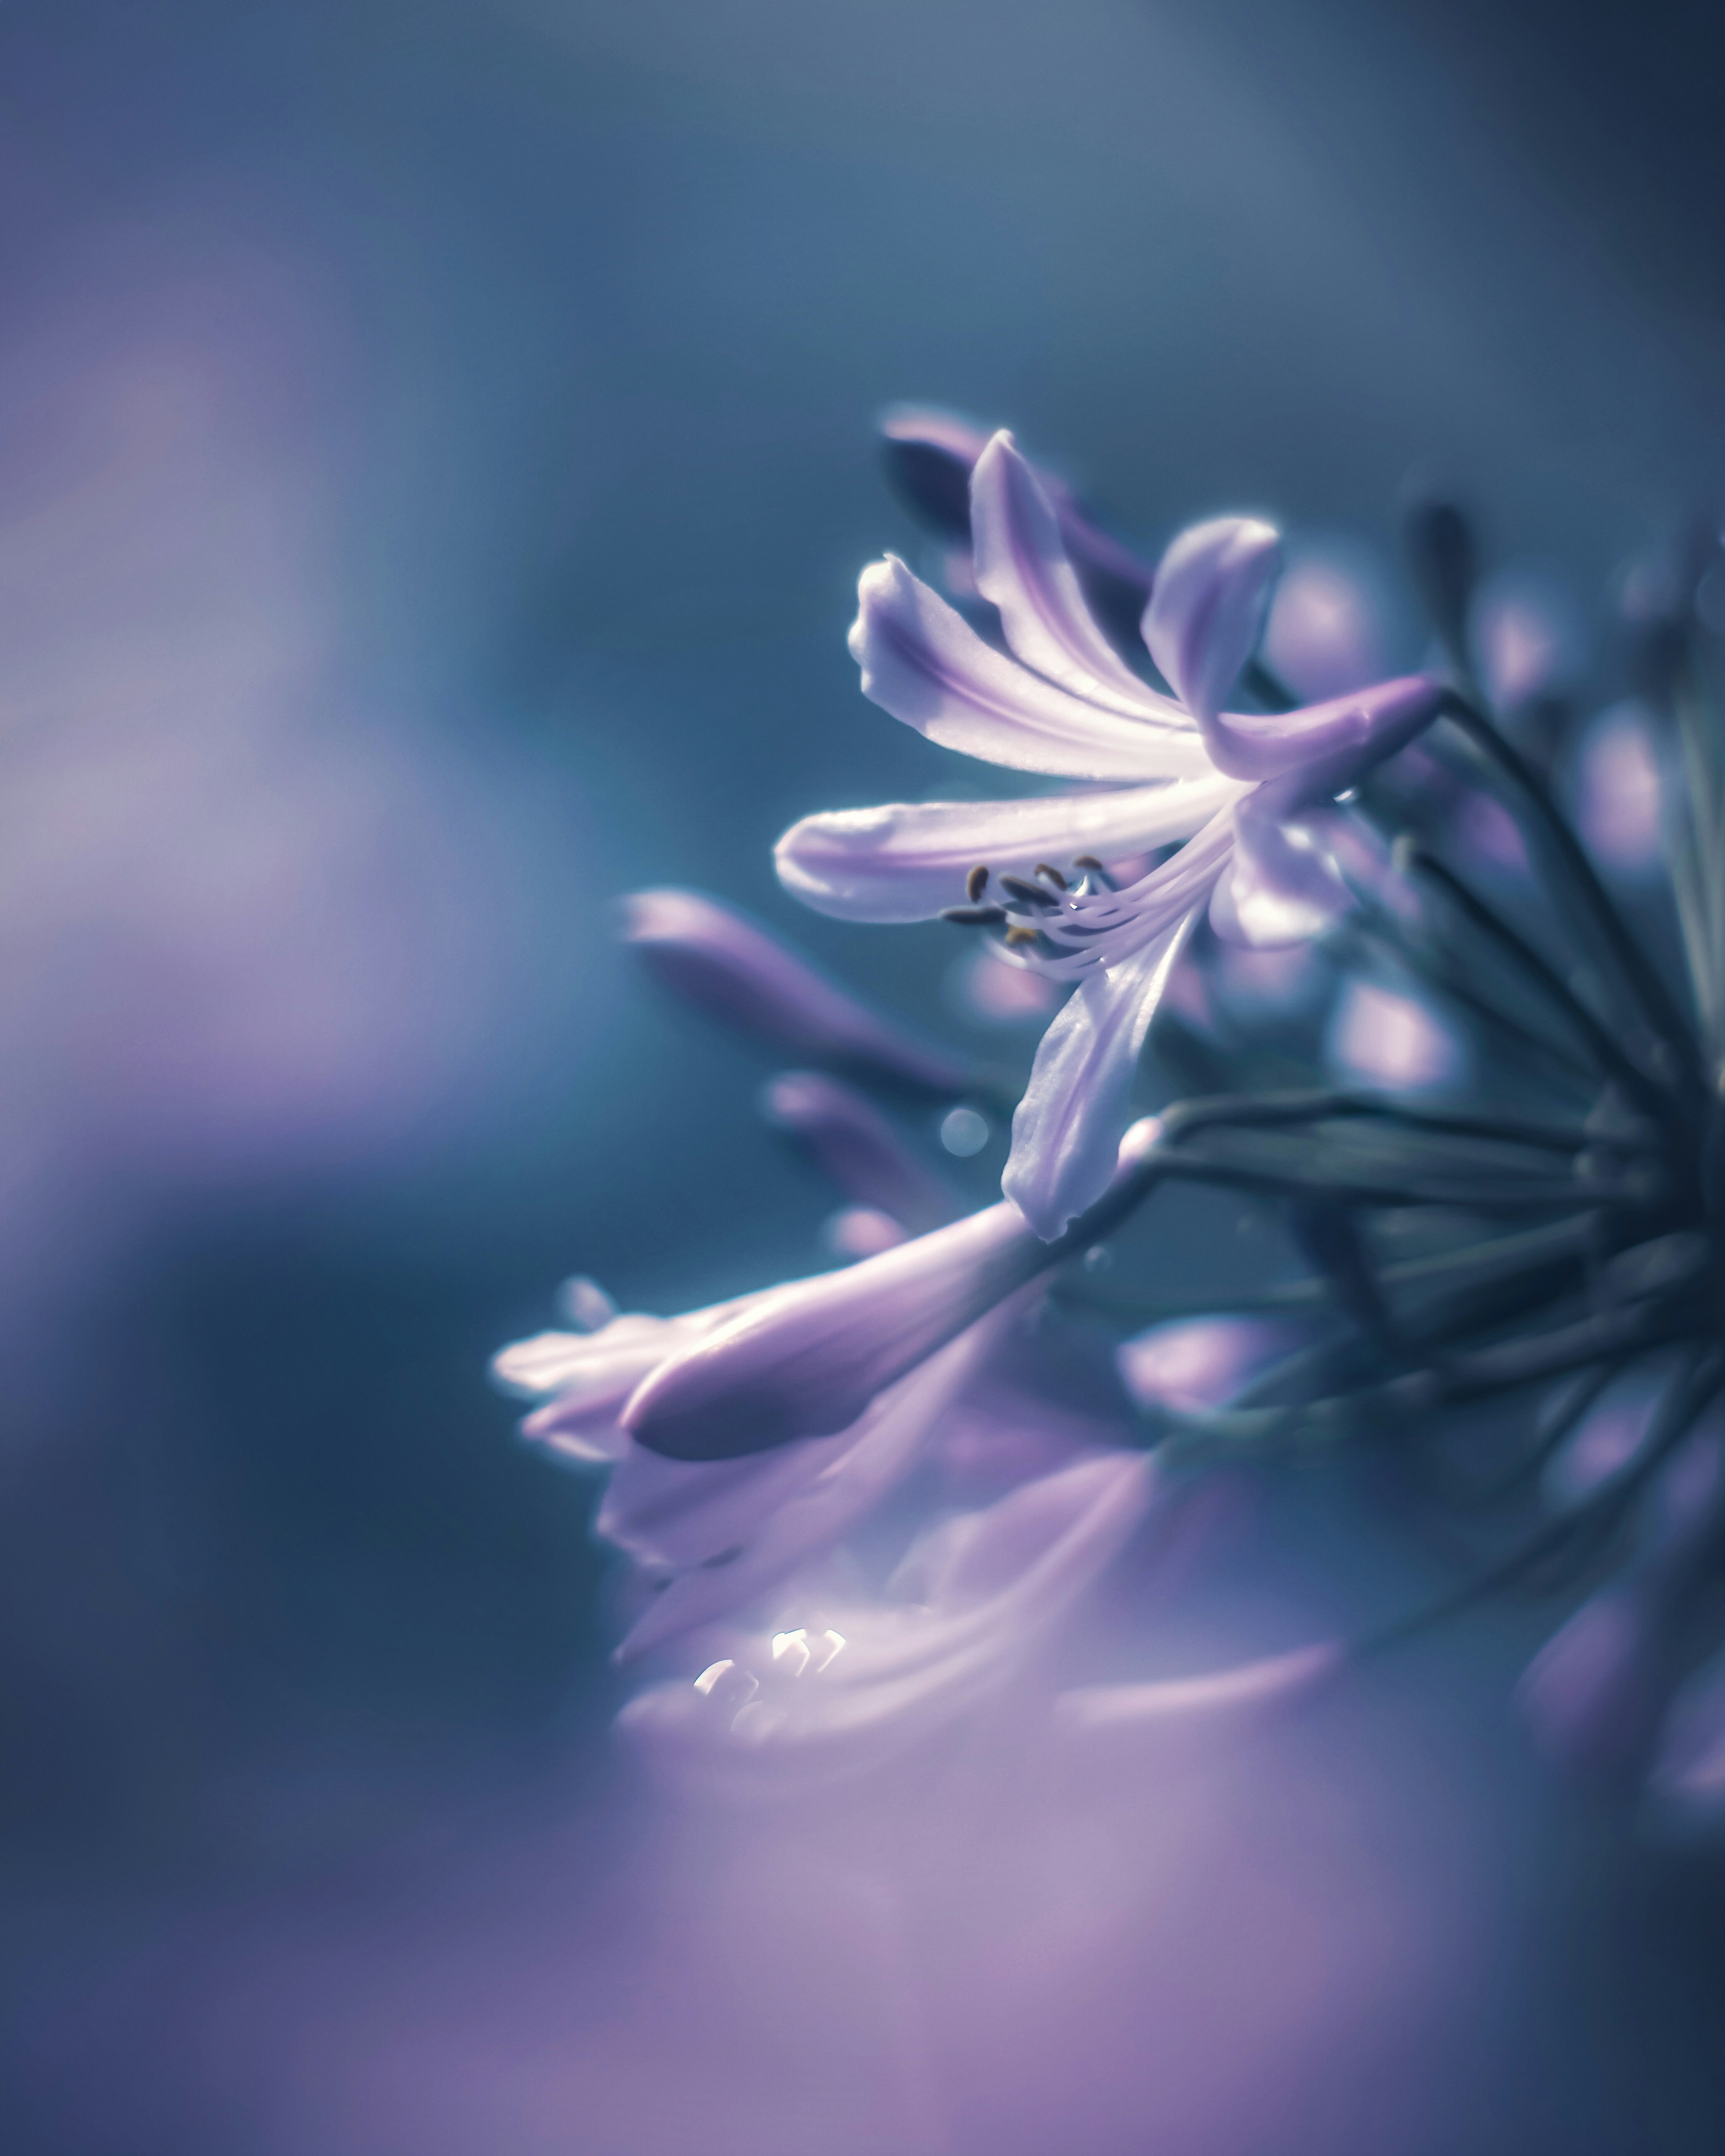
x=1028 y=894
x=976 y=883
x=1047 y=869
x=1017 y=937
x=973 y=917
x=1095 y=872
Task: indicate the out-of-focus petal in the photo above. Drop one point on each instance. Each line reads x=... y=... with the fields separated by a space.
x=1605 y=1441
x=1594 y=1695
x=930 y=454
x=1067 y=1131
x=1619 y=804
x=1123 y=1710
x=833 y=1483
x=908 y=860
x=862 y=1231
x=734 y=971
x=1688 y=1773
x=1021 y=567
x=847 y=1688
x=1380 y=1037
x=1190 y=1364
x=1207 y=609
x=1327 y=633
x=853 y=1142
x=807 y=1359
x=1528 y=635
x=925 y=665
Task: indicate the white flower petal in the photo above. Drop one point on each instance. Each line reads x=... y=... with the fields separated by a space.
x=924 y=664
x=1066 y=1133
x=1207 y=607
x=1021 y=567
x=907 y=860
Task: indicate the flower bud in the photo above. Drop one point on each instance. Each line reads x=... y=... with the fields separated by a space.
x=721 y=962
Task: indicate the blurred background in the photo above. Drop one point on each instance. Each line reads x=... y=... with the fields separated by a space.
x=435 y=460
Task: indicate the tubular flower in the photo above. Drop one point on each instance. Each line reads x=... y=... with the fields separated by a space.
x=1243 y=796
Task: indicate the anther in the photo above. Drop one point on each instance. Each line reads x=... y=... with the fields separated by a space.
x=1027 y=894
x=973 y=917
x=1017 y=937
x=1095 y=870
x=976 y=883
x=1047 y=869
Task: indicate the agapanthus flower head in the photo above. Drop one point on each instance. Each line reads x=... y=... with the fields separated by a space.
x=1240 y=793
x=1496 y=1146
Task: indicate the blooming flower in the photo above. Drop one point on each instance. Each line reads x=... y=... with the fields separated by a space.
x=859 y=1677
x=1234 y=790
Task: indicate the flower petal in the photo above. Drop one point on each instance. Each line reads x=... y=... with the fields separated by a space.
x=924 y=664
x=795 y=1502
x=734 y=971
x=1066 y=1133
x=1021 y=567
x=807 y=1359
x=1282 y=887
x=816 y=1703
x=1188 y=1365
x=1332 y=744
x=1207 y=609
x=909 y=860
x=1093 y=1711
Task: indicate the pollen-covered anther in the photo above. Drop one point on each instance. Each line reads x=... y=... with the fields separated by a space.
x=973 y=917
x=976 y=883
x=1016 y=938
x=1028 y=894
x=1050 y=874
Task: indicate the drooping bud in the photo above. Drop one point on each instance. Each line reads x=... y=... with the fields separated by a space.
x=721 y=961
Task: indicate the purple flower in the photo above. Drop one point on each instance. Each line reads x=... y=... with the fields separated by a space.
x=1244 y=795
x=586 y=1378
x=805 y=1360
x=712 y=1535
x=725 y=966
x=845 y=1681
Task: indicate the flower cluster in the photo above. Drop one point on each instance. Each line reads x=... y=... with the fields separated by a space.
x=1527 y=1267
